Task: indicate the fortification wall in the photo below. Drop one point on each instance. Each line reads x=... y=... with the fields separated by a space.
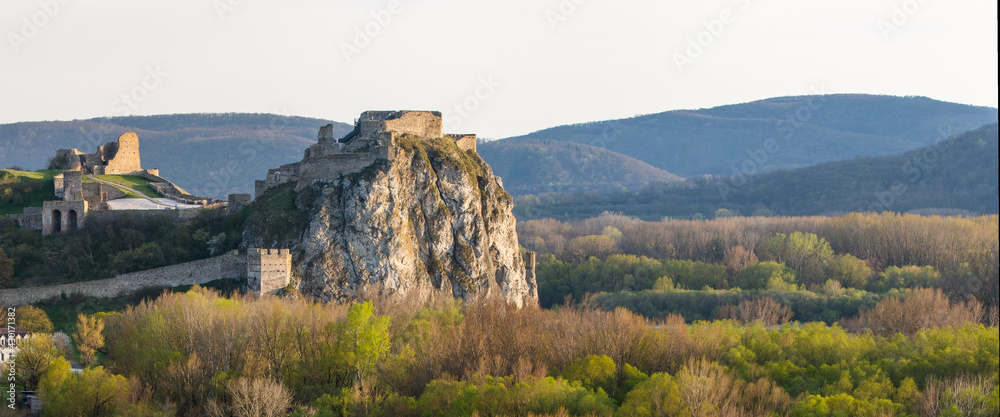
x=464 y=142
x=62 y=216
x=333 y=166
x=230 y=265
x=236 y=202
x=122 y=157
x=58 y=184
x=268 y=270
x=72 y=185
x=425 y=124
x=30 y=218
x=176 y=214
x=173 y=192
x=421 y=123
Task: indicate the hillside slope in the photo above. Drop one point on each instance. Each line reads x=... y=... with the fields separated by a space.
x=206 y=154
x=530 y=166
x=806 y=130
x=958 y=175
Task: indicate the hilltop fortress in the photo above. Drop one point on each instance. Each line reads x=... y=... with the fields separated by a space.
x=373 y=139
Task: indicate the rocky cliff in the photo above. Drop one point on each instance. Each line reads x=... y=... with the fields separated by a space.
x=430 y=218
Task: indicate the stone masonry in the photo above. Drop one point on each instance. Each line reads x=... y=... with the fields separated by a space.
x=374 y=138
x=273 y=265
x=62 y=216
x=268 y=270
x=120 y=157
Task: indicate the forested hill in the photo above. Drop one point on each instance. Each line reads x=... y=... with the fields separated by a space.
x=958 y=175
x=206 y=154
x=530 y=166
x=806 y=130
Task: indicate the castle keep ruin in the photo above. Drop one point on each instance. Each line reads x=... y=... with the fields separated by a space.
x=374 y=138
x=119 y=157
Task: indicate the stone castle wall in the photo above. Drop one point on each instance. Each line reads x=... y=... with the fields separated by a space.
x=122 y=157
x=420 y=123
x=464 y=142
x=62 y=216
x=72 y=185
x=268 y=270
x=230 y=265
x=333 y=166
x=30 y=218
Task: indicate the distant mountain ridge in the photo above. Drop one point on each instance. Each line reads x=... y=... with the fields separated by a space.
x=805 y=130
x=206 y=154
x=956 y=176
x=530 y=166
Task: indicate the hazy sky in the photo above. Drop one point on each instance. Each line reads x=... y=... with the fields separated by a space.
x=510 y=67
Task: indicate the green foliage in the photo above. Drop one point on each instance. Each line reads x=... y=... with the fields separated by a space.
x=20 y=189
x=657 y=396
x=106 y=247
x=6 y=270
x=764 y=275
x=615 y=273
x=92 y=393
x=365 y=342
x=850 y=271
x=33 y=319
x=502 y=396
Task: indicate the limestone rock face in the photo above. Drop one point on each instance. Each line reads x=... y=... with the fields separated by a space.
x=431 y=218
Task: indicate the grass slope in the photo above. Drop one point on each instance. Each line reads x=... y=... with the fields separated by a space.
x=137 y=183
x=20 y=189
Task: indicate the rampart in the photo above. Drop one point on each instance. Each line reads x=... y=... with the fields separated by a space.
x=176 y=214
x=230 y=265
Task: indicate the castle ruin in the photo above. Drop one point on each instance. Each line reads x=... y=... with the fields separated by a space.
x=120 y=157
x=374 y=138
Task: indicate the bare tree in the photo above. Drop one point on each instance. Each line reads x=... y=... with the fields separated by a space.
x=258 y=397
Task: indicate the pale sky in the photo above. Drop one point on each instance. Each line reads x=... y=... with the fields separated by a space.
x=511 y=66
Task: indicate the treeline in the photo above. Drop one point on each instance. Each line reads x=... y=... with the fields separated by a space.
x=870 y=252
x=199 y=354
x=105 y=247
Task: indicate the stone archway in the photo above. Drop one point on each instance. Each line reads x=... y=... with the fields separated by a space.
x=71 y=221
x=56 y=221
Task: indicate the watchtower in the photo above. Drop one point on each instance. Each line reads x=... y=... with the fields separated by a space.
x=268 y=270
